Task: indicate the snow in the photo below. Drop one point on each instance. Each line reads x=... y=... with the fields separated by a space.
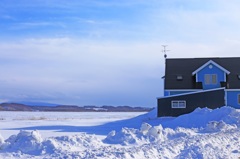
x=204 y=133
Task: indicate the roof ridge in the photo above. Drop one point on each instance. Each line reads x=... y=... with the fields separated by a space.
x=204 y=58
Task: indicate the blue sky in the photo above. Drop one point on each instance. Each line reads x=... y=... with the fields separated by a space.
x=104 y=52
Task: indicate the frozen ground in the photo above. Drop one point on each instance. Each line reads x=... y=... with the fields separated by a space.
x=59 y=123
x=203 y=133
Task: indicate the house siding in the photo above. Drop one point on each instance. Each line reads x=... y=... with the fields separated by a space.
x=166 y=93
x=221 y=76
x=193 y=101
x=179 y=92
x=232 y=98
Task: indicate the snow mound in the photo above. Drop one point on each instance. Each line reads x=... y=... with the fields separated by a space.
x=31 y=143
x=226 y=114
x=215 y=126
x=26 y=142
x=124 y=137
x=146 y=134
x=145 y=127
x=202 y=116
x=1 y=141
x=202 y=120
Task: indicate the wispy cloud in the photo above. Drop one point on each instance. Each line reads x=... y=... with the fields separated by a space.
x=106 y=52
x=196 y=21
x=88 y=19
x=7 y=17
x=76 y=67
x=30 y=25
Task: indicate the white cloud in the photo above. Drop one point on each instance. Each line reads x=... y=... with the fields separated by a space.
x=65 y=70
x=79 y=67
x=196 y=21
x=95 y=67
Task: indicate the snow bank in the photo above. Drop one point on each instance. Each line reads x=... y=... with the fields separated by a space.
x=124 y=137
x=26 y=142
x=203 y=133
x=202 y=120
x=202 y=116
x=31 y=143
x=146 y=134
x=215 y=126
x=229 y=115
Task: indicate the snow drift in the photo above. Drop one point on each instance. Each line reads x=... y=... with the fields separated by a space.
x=204 y=133
x=202 y=116
x=146 y=134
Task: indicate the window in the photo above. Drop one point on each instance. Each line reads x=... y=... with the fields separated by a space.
x=238 y=98
x=214 y=79
x=178 y=104
x=210 y=78
x=207 y=79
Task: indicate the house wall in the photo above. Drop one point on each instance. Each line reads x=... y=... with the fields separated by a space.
x=221 y=76
x=193 y=101
x=232 y=98
x=176 y=92
x=166 y=93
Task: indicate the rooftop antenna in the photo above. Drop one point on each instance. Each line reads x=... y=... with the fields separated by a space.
x=165 y=51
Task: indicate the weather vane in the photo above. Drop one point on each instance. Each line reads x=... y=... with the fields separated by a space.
x=165 y=51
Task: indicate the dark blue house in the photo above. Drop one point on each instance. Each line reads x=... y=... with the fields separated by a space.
x=199 y=82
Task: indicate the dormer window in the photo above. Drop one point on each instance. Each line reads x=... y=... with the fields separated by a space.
x=210 y=79
x=179 y=77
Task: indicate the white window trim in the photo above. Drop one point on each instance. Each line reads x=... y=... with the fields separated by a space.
x=177 y=104
x=226 y=98
x=211 y=62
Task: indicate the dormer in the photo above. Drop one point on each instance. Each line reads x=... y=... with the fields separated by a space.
x=211 y=75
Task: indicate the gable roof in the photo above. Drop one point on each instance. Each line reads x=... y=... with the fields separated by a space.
x=187 y=66
x=211 y=62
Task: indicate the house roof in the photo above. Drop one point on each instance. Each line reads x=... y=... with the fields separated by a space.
x=187 y=67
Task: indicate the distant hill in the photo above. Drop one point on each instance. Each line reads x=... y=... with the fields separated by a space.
x=14 y=107
x=70 y=108
x=36 y=103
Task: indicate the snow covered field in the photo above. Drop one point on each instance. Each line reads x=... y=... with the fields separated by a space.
x=203 y=133
x=59 y=123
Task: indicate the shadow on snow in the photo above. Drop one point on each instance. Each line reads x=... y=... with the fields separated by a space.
x=103 y=129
